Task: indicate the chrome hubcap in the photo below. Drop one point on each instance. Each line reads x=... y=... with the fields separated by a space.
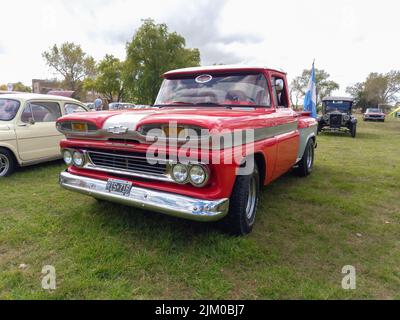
x=310 y=158
x=4 y=165
x=252 y=198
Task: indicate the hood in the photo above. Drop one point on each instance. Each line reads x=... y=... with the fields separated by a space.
x=208 y=118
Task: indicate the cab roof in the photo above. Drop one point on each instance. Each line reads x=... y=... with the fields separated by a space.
x=219 y=68
x=35 y=96
x=349 y=99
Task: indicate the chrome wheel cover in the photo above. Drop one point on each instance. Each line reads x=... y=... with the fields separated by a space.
x=252 y=198
x=310 y=156
x=4 y=165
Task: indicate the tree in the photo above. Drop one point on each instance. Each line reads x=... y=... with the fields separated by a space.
x=153 y=51
x=325 y=87
x=109 y=80
x=378 y=88
x=19 y=86
x=71 y=63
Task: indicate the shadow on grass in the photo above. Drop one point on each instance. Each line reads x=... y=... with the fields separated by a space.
x=344 y=135
x=41 y=166
x=151 y=224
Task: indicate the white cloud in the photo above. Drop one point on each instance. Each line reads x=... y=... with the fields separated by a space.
x=348 y=39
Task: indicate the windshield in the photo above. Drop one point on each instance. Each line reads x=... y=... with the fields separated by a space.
x=343 y=106
x=8 y=109
x=226 y=90
x=373 y=111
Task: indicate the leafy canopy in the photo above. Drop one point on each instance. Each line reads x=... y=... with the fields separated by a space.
x=108 y=81
x=153 y=51
x=378 y=88
x=72 y=63
x=325 y=86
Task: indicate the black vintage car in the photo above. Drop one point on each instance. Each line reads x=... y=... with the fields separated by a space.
x=337 y=115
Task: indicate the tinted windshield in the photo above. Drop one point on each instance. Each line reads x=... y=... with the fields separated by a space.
x=338 y=105
x=373 y=111
x=229 y=90
x=8 y=109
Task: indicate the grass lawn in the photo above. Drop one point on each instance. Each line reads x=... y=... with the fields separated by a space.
x=346 y=213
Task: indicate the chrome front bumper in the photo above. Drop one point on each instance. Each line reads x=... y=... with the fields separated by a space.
x=167 y=203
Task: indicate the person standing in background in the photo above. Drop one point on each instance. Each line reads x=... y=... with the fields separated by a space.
x=98 y=104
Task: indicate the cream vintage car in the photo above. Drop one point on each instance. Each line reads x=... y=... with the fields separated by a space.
x=28 y=133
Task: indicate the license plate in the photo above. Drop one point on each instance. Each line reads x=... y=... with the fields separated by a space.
x=82 y=127
x=119 y=187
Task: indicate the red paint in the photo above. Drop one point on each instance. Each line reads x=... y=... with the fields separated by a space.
x=280 y=152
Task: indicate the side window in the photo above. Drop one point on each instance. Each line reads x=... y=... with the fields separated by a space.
x=26 y=115
x=45 y=111
x=279 y=92
x=72 y=108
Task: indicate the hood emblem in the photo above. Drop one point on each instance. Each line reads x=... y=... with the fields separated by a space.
x=117 y=130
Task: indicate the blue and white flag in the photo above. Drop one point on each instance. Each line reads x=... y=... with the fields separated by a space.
x=310 y=100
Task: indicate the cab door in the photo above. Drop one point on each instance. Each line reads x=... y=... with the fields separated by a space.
x=36 y=132
x=287 y=134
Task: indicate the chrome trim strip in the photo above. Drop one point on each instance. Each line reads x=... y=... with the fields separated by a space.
x=163 y=202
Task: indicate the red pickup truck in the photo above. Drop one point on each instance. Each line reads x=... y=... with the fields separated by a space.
x=213 y=139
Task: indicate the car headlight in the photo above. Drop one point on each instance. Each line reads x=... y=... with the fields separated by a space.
x=326 y=117
x=180 y=173
x=198 y=175
x=346 y=117
x=67 y=156
x=78 y=159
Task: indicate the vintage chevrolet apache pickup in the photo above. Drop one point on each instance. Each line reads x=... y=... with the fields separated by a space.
x=214 y=137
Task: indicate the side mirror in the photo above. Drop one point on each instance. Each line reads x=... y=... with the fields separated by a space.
x=31 y=121
x=279 y=85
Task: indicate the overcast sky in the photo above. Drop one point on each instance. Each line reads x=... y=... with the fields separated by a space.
x=348 y=38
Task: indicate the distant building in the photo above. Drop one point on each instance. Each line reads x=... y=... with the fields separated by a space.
x=44 y=86
x=55 y=87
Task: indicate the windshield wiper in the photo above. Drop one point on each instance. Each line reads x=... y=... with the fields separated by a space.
x=175 y=103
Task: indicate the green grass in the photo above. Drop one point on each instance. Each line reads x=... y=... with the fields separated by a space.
x=306 y=231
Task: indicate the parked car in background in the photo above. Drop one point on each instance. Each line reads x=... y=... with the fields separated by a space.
x=108 y=152
x=121 y=106
x=337 y=115
x=28 y=133
x=374 y=114
x=90 y=106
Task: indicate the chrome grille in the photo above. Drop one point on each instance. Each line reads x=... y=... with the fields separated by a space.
x=335 y=120
x=127 y=162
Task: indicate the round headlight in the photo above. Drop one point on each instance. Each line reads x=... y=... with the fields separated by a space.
x=326 y=117
x=198 y=175
x=180 y=173
x=346 y=117
x=67 y=156
x=78 y=159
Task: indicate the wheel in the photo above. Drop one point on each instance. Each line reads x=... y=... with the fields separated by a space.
x=7 y=163
x=353 y=130
x=306 y=163
x=243 y=204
